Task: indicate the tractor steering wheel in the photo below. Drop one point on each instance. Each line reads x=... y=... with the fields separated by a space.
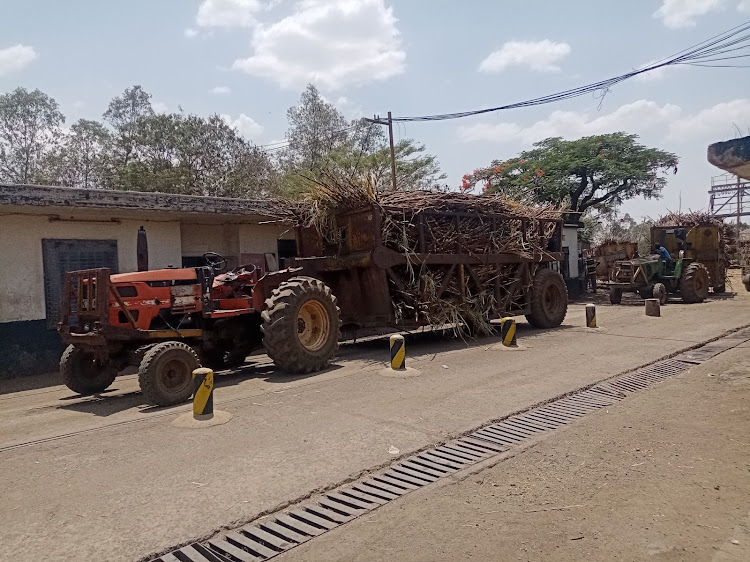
x=215 y=261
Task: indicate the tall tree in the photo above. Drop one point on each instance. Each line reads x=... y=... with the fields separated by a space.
x=316 y=128
x=598 y=172
x=123 y=115
x=84 y=155
x=30 y=130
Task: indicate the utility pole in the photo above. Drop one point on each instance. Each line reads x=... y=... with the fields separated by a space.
x=389 y=122
x=739 y=205
x=393 y=152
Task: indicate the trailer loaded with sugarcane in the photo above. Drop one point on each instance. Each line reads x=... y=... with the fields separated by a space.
x=400 y=261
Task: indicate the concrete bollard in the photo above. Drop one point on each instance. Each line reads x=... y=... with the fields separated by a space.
x=508 y=332
x=652 y=307
x=203 y=394
x=398 y=353
x=590 y=316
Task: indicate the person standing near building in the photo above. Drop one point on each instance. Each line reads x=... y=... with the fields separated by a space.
x=590 y=273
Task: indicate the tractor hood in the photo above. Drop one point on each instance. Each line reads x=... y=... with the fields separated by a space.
x=155 y=275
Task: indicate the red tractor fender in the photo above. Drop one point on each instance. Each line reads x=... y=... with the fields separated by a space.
x=270 y=281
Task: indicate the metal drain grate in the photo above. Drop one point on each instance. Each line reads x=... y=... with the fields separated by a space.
x=280 y=532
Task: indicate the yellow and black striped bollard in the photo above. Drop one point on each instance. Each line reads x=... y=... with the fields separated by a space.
x=203 y=394
x=590 y=316
x=398 y=353
x=508 y=332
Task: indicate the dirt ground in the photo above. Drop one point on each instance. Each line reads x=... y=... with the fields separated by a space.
x=662 y=475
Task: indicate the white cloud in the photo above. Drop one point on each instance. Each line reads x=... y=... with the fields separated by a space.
x=15 y=58
x=677 y=14
x=159 y=107
x=190 y=32
x=247 y=126
x=639 y=115
x=541 y=56
x=332 y=43
x=744 y=6
x=220 y=90
x=714 y=123
x=227 y=13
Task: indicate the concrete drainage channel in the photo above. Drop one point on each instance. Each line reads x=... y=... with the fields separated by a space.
x=284 y=530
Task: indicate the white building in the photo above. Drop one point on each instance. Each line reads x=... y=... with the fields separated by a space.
x=45 y=231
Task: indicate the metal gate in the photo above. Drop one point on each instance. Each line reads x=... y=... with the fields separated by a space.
x=61 y=255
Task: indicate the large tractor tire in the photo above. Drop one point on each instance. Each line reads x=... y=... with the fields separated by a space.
x=84 y=373
x=659 y=291
x=694 y=284
x=549 y=299
x=301 y=325
x=615 y=296
x=166 y=373
x=746 y=282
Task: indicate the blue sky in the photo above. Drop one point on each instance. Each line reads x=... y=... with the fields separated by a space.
x=250 y=59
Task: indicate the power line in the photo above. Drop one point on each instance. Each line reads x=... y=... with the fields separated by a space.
x=695 y=55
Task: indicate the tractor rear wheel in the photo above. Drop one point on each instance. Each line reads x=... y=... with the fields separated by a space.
x=301 y=325
x=659 y=291
x=166 y=373
x=694 y=283
x=549 y=299
x=615 y=296
x=83 y=372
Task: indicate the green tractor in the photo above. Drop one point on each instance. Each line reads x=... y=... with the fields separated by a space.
x=651 y=277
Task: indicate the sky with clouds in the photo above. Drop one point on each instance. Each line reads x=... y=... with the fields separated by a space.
x=248 y=61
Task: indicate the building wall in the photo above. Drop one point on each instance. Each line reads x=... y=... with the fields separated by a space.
x=27 y=346
x=22 y=275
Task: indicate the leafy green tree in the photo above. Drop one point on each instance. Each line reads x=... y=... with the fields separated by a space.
x=596 y=172
x=316 y=128
x=30 y=131
x=83 y=155
x=124 y=114
x=321 y=139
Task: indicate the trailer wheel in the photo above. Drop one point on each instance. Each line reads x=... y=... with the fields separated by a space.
x=720 y=289
x=615 y=296
x=549 y=299
x=694 y=283
x=301 y=325
x=166 y=373
x=84 y=373
x=746 y=282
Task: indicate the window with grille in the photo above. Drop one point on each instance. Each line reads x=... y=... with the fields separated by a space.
x=61 y=255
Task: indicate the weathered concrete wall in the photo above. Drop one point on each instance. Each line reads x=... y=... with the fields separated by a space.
x=48 y=196
x=22 y=273
x=262 y=238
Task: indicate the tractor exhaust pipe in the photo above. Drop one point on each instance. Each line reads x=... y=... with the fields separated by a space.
x=142 y=250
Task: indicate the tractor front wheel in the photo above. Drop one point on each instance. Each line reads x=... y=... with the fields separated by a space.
x=301 y=325
x=659 y=291
x=166 y=373
x=694 y=284
x=549 y=299
x=83 y=372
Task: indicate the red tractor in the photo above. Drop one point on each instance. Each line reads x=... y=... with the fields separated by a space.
x=170 y=321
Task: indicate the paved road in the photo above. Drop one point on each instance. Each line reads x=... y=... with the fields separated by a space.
x=111 y=479
x=662 y=475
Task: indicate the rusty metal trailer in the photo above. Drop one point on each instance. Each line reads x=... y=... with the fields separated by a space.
x=364 y=274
